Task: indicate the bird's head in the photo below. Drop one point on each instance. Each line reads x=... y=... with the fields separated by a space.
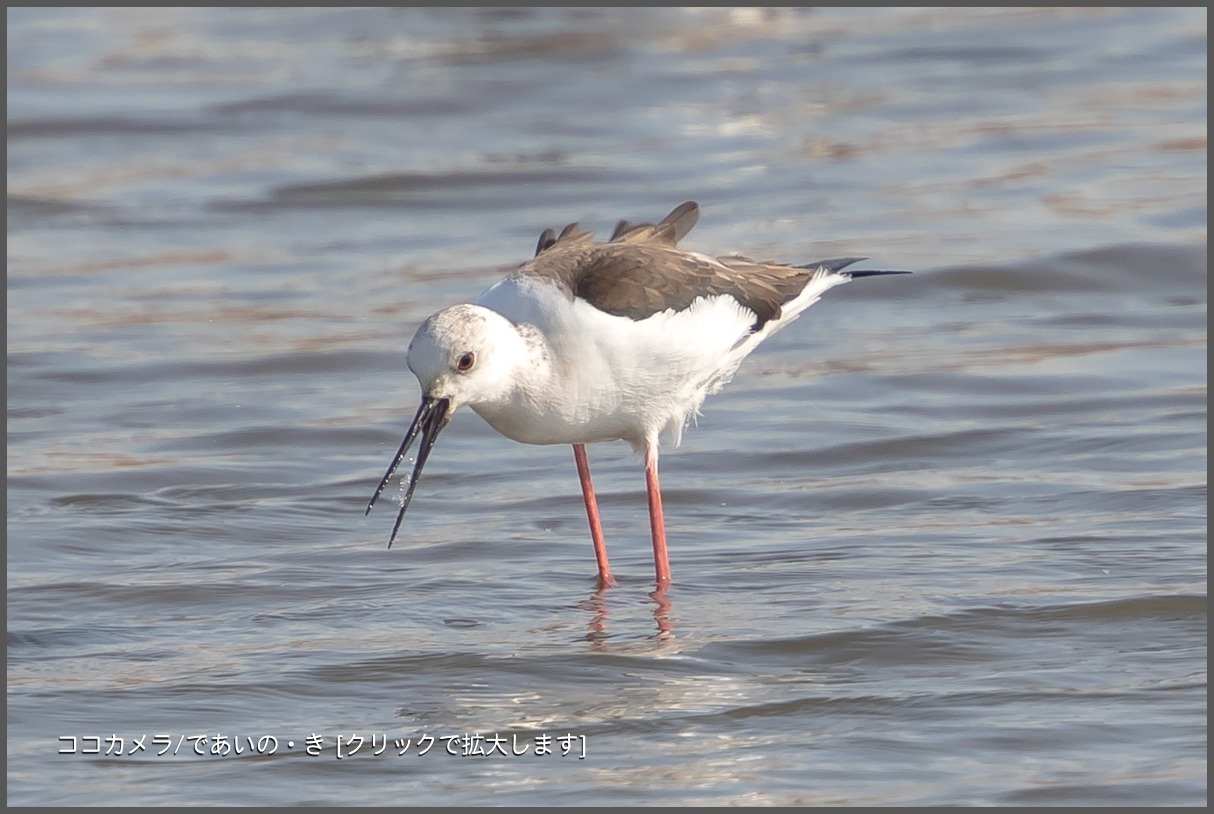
x=460 y=356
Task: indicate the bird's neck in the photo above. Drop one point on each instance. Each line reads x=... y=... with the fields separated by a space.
x=518 y=408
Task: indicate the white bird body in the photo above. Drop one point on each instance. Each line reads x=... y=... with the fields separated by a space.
x=591 y=342
x=587 y=376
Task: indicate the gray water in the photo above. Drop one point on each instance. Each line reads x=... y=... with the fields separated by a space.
x=942 y=540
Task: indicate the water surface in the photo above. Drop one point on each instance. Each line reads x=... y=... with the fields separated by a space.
x=942 y=541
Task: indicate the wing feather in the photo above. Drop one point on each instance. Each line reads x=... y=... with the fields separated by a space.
x=641 y=271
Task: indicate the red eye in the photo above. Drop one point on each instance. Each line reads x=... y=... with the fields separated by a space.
x=466 y=361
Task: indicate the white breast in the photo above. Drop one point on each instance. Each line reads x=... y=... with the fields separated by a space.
x=598 y=377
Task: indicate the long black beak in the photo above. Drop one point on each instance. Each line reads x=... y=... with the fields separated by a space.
x=431 y=417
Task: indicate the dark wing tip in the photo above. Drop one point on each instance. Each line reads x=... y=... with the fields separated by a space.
x=837 y=265
x=834 y=266
x=872 y=273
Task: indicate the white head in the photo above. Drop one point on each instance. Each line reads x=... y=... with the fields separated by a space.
x=464 y=354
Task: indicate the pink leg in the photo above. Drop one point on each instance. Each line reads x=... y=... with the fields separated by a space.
x=657 y=525
x=592 y=514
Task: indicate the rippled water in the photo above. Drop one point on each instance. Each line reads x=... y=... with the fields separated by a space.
x=942 y=541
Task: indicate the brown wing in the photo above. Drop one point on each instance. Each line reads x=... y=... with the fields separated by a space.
x=638 y=281
x=642 y=272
